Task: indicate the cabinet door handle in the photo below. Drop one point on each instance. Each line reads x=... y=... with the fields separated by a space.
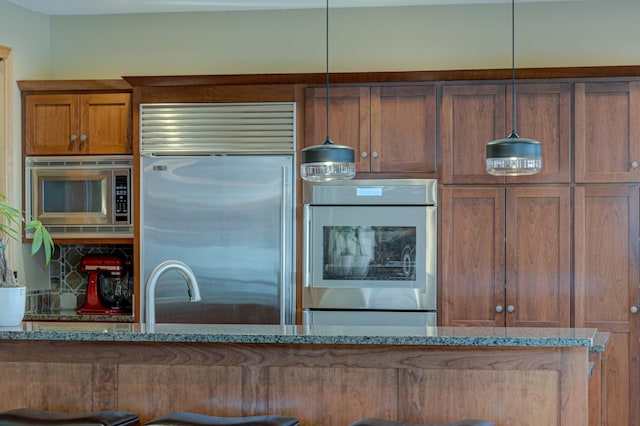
x=510 y=309
x=634 y=309
x=374 y=154
x=83 y=139
x=634 y=164
x=499 y=308
x=363 y=154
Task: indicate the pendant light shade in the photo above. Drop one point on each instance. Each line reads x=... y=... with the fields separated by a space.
x=327 y=162
x=513 y=156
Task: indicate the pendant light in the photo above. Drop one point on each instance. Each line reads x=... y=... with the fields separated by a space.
x=327 y=162
x=513 y=156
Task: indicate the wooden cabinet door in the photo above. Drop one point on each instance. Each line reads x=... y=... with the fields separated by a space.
x=607 y=132
x=105 y=123
x=474 y=115
x=543 y=113
x=538 y=255
x=51 y=124
x=607 y=231
x=72 y=124
x=472 y=247
x=348 y=119
x=471 y=116
x=403 y=129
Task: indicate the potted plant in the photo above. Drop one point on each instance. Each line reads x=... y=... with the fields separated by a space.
x=12 y=294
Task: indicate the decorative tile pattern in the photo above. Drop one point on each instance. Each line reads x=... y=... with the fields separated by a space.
x=66 y=278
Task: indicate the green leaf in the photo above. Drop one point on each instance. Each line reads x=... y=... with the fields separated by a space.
x=11 y=226
x=37 y=241
x=41 y=237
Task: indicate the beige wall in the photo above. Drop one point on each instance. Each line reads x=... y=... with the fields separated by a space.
x=27 y=34
x=548 y=34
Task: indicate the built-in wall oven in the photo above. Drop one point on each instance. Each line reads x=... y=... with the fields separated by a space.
x=370 y=252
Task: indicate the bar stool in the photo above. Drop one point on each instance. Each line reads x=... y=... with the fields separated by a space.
x=33 y=417
x=383 y=422
x=183 y=418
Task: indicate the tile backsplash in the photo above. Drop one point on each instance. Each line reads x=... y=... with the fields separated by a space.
x=68 y=284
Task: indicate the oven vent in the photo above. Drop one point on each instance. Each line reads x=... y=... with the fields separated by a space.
x=74 y=162
x=217 y=128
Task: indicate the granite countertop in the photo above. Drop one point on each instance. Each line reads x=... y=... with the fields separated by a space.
x=73 y=315
x=600 y=341
x=298 y=334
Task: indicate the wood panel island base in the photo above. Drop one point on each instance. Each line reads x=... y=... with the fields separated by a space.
x=324 y=376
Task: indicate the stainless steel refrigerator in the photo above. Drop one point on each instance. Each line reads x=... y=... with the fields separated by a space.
x=230 y=218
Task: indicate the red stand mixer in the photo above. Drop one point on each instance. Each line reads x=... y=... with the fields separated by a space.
x=106 y=285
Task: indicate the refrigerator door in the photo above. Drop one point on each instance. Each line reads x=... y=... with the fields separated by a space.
x=231 y=219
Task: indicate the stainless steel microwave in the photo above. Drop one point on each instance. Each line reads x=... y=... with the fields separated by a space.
x=81 y=196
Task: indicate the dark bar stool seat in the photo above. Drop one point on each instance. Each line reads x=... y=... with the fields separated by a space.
x=183 y=418
x=33 y=417
x=383 y=422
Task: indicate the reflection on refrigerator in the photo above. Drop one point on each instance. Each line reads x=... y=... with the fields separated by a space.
x=230 y=218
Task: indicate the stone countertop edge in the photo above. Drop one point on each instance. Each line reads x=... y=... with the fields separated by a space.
x=304 y=335
x=600 y=341
x=71 y=315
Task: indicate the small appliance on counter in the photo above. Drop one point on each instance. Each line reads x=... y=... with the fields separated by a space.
x=108 y=289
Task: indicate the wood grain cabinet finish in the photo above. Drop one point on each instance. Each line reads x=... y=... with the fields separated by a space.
x=391 y=128
x=321 y=385
x=77 y=124
x=607 y=132
x=607 y=233
x=526 y=227
x=475 y=114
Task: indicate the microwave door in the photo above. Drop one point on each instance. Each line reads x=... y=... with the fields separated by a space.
x=74 y=198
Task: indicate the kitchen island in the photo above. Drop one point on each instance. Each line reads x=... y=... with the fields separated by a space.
x=323 y=375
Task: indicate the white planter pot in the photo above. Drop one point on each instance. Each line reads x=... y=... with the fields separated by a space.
x=12 y=305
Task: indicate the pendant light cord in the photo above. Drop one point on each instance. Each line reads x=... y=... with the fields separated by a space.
x=327 y=140
x=513 y=70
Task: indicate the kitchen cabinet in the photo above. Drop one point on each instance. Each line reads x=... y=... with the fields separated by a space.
x=391 y=128
x=607 y=233
x=77 y=124
x=506 y=256
x=475 y=114
x=607 y=132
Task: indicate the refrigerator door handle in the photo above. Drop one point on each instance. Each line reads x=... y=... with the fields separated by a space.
x=283 y=261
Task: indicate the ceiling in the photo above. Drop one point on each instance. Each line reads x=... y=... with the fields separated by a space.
x=100 y=7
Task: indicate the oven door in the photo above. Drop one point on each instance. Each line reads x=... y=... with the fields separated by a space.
x=370 y=257
x=377 y=318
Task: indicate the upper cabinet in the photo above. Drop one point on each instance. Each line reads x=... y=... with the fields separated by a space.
x=77 y=124
x=391 y=128
x=607 y=132
x=475 y=114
